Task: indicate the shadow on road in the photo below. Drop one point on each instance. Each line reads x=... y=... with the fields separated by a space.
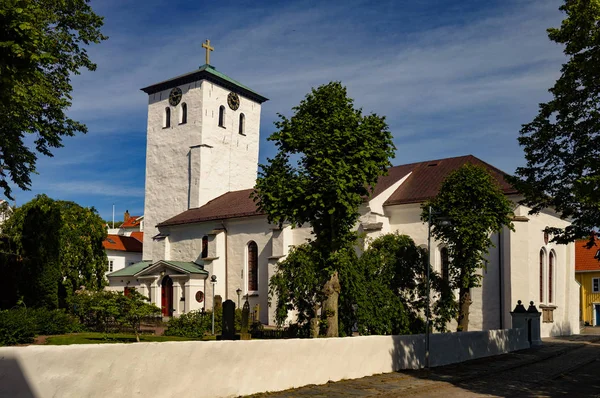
x=561 y=367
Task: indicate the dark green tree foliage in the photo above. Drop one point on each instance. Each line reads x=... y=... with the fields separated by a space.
x=382 y=292
x=42 y=44
x=471 y=198
x=54 y=247
x=385 y=292
x=40 y=245
x=562 y=142
x=297 y=285
x=329 y=155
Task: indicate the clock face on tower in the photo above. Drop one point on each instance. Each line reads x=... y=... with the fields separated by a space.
x=175 y=96
x=233 y=101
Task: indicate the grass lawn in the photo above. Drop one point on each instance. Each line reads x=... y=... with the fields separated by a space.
x=100 y=338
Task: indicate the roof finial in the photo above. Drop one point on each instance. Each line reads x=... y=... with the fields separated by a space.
x=208 y=50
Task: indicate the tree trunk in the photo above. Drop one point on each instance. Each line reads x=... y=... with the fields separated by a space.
x=331 y=290
x=314 y=323
x=463 y=309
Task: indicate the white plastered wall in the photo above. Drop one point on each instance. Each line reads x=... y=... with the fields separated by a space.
x=189 y=164
x=526 y=243
x=122 y=259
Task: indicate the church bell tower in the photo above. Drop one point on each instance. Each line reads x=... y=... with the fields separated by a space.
x=202 y=141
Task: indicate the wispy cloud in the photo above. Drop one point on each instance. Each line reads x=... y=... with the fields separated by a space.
x=451 y=77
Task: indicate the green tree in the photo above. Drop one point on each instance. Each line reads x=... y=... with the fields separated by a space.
x=296 y=285
x=473 y=201
x=42 y=44
x=329 y=158
x=561 y=143
x=384 y=293
x=134 y=309
x=55 y=247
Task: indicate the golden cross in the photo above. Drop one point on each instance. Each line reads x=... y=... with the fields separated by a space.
x=208 y=50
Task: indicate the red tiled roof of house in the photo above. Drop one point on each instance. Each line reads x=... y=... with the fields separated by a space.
x=133 y=221
x=584 y=257
x=139 y=235
x=122 y=243
x=427 y=177
x=422 y=184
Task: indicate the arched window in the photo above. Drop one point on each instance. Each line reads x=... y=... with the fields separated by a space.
x=204 y=246
x=542 y=258
x=242 y=124
x=252 y=266
x=222 y=116
x=551 y=258
x=167 y=122
x=445 y=257
x=183 y=113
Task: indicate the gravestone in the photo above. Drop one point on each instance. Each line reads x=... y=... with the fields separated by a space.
x=228 y=325
x=244 y=335
x=218 y=302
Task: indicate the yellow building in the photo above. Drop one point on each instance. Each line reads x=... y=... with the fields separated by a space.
x=587 y=273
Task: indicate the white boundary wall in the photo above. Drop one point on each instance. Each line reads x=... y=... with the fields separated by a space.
x=230 y=368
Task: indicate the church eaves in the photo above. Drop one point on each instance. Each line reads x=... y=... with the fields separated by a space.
x=209 y=73
x=423 y=183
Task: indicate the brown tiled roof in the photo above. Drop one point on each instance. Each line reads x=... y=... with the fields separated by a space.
x=426 y=178
x=584 y=257
x=229 y=205
x=422 y=184
x=122 y=243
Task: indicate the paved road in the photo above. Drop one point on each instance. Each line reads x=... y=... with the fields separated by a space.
x=565 y=367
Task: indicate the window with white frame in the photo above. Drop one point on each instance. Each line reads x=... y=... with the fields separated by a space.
x=596 y=285
x=110 y=265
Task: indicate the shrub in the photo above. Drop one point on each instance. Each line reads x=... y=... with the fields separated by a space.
x=16 y=327
x=49 y=322
x=193 y=324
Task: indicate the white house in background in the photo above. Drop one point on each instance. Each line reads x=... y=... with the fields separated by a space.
x=122 y=251
x=201 y=165
x=130 y=225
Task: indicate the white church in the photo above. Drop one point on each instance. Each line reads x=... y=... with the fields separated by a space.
x=200 y=223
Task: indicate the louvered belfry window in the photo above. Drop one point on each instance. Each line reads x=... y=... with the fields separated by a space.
x=252 y=266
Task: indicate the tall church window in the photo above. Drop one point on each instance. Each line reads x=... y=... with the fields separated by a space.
x=551 y=258
x=252 y=266
x=167 y=121
x=204 y=246
x=242 y=123
x=542 y=258
x=222 y=116
x=445 y=263
x=183 y=113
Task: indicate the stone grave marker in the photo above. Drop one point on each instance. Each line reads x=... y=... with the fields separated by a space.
x=228 y=325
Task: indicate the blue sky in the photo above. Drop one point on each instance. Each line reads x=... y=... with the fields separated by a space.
x=452 y=77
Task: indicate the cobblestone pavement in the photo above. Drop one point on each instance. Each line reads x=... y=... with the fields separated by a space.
x=566 y=367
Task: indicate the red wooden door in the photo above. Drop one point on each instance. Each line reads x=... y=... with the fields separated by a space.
x=166 y=299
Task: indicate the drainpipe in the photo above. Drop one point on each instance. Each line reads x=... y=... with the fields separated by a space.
x=226 y=265
x=501 y=276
